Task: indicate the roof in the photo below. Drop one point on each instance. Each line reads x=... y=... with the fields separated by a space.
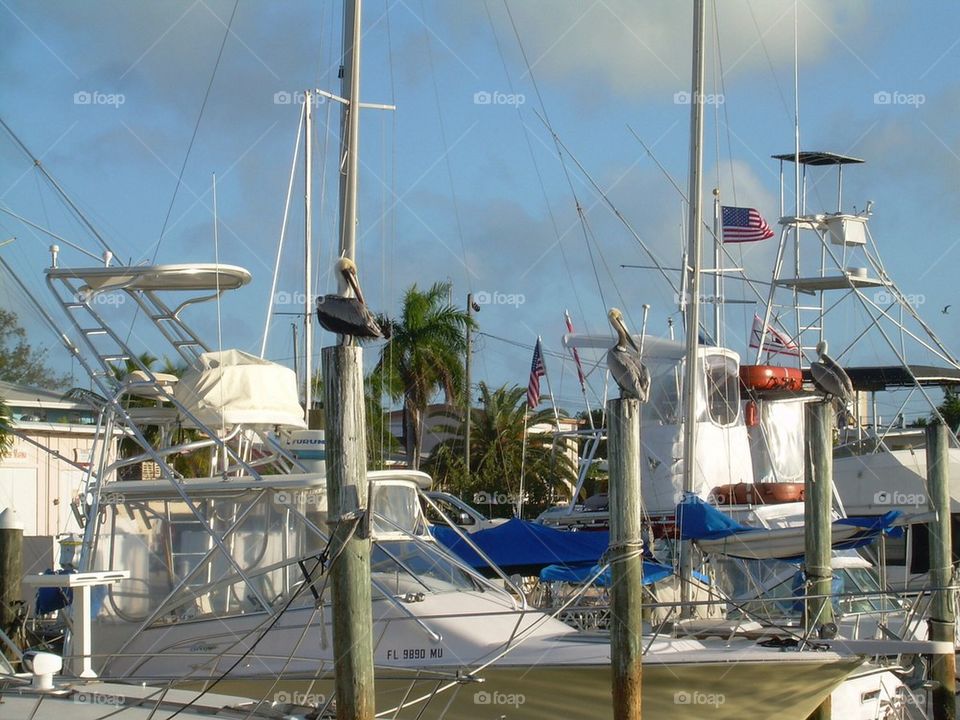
x=813 y=157
x=192 y=277
x=876 y=378
x=27 y=395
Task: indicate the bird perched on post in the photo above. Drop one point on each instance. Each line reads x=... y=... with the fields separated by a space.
x=344 y=315
x=624 y=362
x=831 y=379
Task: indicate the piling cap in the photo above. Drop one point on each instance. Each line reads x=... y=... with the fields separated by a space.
x=8 y=520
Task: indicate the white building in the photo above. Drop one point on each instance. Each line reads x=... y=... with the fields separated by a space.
x=35 y=483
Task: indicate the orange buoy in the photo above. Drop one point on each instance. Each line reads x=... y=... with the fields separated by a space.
x=770 y=377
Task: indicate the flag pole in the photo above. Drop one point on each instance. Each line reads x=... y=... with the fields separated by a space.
x=523 y=458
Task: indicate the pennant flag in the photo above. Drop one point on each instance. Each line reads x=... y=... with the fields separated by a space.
x=576 y=354
x=776 y=342
x=537 y=371
x=744 y=225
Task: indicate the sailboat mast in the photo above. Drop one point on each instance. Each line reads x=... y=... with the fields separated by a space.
x=695 y=246
x=692 y=268
x=307 y=252
x=349 y=131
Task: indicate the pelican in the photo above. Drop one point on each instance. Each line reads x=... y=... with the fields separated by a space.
x=346 y=315
x=623 y=360
x=829 y=378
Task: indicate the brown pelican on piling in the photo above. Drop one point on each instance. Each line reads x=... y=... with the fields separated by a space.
x=831 y=379
x=344 y=315
x=624 y=362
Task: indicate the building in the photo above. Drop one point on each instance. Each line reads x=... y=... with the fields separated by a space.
x=37 y=484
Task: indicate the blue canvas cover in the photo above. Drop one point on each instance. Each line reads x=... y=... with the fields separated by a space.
x=699 y=520
x=653 y=572
x=524 y=548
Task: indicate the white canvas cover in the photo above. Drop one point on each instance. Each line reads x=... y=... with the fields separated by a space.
x=232 y=387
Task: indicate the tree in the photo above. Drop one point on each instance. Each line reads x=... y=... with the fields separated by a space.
x=498 y=452
x=6 y=439
x=949 y=409
x=424 y=355
x=20 y=362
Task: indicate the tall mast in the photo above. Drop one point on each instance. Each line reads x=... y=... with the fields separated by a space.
x=307 y=251
x=349 y=131
x=695 y=230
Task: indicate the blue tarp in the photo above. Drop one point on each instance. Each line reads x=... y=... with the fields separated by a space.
x=522 y=547
x=653 y=572
x=699 y=520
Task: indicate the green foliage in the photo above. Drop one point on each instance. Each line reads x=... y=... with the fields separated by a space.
x=497 y=453
x=380 y=441
x=423 y=356
x=19 y=361
x=6 y=439
x=950 y=408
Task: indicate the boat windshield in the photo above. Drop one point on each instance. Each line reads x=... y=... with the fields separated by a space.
x=407 y=566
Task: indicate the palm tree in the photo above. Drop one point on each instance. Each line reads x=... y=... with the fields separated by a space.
x=424 y=355
x=497 y=450
x=6 y=439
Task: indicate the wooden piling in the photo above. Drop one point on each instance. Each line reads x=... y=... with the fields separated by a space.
x=347 y=498
x=817 y=505
x=942 y=616
x=11 y=568
x=626 y=569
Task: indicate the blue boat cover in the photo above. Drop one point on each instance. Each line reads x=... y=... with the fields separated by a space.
x=525 y=548
x=653 y=572
x=699 y=520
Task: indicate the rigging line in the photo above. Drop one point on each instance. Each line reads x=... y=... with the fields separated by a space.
x=196 y=128
x=709 y=228
x=446 y=147
x=610 y=204
x=283 y=232
x=63 y=193
x=536 y=166
x=763 y=45
x=545 y=118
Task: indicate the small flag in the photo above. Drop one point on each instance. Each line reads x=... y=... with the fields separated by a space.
x=776 y=342
x=537 y=371
x=576 y=354
x=744 y=225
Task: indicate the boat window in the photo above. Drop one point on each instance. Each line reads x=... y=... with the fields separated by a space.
x=723 y=389
x=663 y=407
x=408 y=566
x=396 y=508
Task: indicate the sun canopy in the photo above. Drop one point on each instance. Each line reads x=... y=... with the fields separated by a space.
x=525 y=548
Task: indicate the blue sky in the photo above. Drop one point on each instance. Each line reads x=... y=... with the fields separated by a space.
x=455 y=188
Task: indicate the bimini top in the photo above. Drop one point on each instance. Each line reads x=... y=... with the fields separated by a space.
x=190 y=277
x=814 y=157
x=653 y=347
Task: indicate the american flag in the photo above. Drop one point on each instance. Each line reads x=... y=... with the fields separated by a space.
x=537 y=370
x=576 y=355
x=744 y=225
x=775 y=342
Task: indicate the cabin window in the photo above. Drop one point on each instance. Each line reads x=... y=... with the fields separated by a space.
x=723 y=389
x=396 y=508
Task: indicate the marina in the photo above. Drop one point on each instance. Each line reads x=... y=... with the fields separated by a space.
x=746 y=507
